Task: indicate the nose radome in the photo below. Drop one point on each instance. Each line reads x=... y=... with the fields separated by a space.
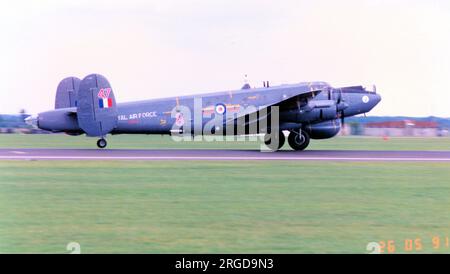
x=371 y=99
x=376 y=98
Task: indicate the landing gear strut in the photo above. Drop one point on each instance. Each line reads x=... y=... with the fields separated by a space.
x=101 y=143
x=298 y=140
x=276 y=143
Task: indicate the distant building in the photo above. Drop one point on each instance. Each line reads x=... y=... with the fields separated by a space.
x=351 y=128
x=403 y=128
x=14 y=123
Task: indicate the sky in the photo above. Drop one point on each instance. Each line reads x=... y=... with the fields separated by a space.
x=152 y=49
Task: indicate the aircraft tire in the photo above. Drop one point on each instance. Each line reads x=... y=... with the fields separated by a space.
x=274 y=146
x=101 y=143
x=298 y=140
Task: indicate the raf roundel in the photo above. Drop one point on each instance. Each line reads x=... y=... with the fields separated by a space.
x=220 y=108
x=365 y=99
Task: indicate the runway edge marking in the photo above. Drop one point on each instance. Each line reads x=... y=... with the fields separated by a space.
x=397 y=159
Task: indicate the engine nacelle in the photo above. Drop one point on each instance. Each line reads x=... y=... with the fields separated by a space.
x=323 y=130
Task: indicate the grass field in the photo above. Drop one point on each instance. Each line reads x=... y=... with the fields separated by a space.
x=158 y=207
x=221 y=206
x=157 y=141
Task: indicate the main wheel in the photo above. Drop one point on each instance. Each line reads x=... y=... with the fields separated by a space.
x=298 y=140
x=275 y=144
x=101 y=143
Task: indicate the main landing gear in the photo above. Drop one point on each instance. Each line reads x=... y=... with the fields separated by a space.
x=101 y=143
x=297 y=139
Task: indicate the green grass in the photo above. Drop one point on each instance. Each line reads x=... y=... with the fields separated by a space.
x=155 y=142
x=221 y=206
x=200 y=206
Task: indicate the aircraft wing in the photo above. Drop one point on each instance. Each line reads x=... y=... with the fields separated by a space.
x=282 y=96
x=72 y=112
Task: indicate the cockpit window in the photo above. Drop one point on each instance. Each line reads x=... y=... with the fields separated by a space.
x=355 y=89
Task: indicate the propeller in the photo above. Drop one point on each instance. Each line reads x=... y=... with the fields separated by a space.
x=340 y=106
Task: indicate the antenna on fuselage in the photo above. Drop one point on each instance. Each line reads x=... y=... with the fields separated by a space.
x=246 y=84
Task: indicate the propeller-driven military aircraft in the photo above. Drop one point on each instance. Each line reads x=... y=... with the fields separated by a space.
x=307 y=110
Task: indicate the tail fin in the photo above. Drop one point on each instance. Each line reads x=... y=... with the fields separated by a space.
x=96 y=107
x=66 y=93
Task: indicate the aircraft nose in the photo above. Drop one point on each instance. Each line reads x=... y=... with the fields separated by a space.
x=371 y=100
x=376 y=98
x=360 y=101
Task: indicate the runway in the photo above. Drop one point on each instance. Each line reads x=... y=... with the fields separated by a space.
x=225 y=155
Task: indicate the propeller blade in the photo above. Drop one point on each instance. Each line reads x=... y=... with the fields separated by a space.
x=339 y=98
x=340 y=115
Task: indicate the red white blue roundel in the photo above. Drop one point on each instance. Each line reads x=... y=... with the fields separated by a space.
x=220 y=108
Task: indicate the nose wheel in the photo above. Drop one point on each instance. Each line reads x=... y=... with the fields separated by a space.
x=101 y=143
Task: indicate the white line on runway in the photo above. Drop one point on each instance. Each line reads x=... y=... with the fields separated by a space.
x=220 y=158
x=18 y=152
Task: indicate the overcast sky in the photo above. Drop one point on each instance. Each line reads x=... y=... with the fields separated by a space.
x=151 y=49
